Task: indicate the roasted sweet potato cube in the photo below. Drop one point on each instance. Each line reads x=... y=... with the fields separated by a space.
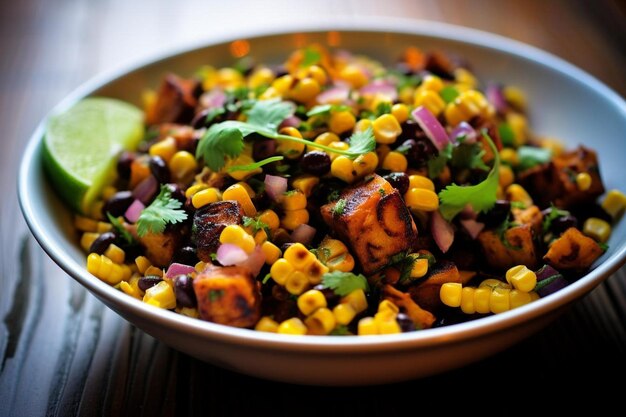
x=175 y=101
x=160 y=247
x=530 y=215
x=228 y=295
x=374 y=220
x=423 y=319
x=208 y=223
x=519 y=249
x=426 y=292
x=573 y=251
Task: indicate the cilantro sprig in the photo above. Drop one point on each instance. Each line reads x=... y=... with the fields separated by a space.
x=481 y=196
x=117 y=224
x=163 y=210
x=343 y=283
x=225 y=140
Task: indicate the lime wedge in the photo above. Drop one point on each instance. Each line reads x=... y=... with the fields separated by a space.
x=81 y=146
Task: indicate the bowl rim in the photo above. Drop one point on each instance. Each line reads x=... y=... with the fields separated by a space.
x=455 y=333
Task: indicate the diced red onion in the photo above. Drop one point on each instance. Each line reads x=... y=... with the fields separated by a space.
x=431 y=126
x=255 y=261
x=380 y=87
x=546 y=271
x=558 y=282
x=146 y=189
x=176 y=269
x=229 y=254
x=212 y=99
x=334 y=95
x=463 y=129
x=303 y=234
x=291 y=121
x=496 y=97
x=275 y=186
x=442 y=231
x=134 y=211
x=472 y=227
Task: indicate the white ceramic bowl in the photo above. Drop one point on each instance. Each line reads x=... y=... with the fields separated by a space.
x=564 y=102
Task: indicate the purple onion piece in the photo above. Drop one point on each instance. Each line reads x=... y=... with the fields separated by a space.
x=303 y=234
x=134 y=211
x=431 y=126
x=146 y=189
x=557 y=283
x=334 y=95
x=442 y=231
x=229 y=254
x=463 y=129
x=275 y=186
x=176 y=269
x=381 y=87
x=496 y=97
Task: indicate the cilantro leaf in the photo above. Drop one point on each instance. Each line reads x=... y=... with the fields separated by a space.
x=219 y=141
x=269 y=114
x=553 y=214
x=529 y=156
x=438 y=163
x=252 y=167
x=164 y=209
x=255 y=224
x=481 y=196
x=325 y=109
x=117 y=224
x=341 y=330
x=311 y=57
x=507 y=136
x=339 y=207
x=449 y=93
x=384 y=107
x=469 y=156
x=362 y=142
x=501 y=232
x=343 y=283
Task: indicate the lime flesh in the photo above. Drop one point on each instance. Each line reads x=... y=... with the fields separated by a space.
x=81 y=146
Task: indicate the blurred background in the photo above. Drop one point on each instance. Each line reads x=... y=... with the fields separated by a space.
x=72 y=356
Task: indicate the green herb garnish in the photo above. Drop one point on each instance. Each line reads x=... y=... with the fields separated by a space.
x=311 y=57
x=449 y=93
x=384 y=107
x=163 y=210
x=530 y=156
x=437 y=164
x=215 y=295
x=507 y=136
x=252 y=167
x=255 y=224
x=553 y=214
x=343 y=283
x=117 y=224
x=501 y=232
x=339 y=207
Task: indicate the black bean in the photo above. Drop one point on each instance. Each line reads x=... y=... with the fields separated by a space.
x=102 y=242
x=497 y=214
x=315 y=163
x=405 y=322
x=123 y=164
x=331 y=297
x=561 y=224
x=199 y=119
x=186 y=255
x=118 y=203
x=183 y=289
x=399 y=181
x=177 y=192
x=148 y=282
x=417 y=148
x=263 y=149
x=159 y=169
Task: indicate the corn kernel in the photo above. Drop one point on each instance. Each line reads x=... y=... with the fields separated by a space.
x=153 y=270
x=344 y=313
x=614 y=203
x=519 y=126
x=367 y=326
x=115 y=253
x=450 y=294
x=387 y=306
x=481 y=300
x=400 y=111
x=354 y=75
x=365 y=164
x=420 y=268
x=327 y=138
x=281 y=270
x=341 y=121
x=182 y=166
x=236 y=235
x=102 y=227
x=431 y=100
x=200 y=266
x=305 y=90
x=104 y=269
x=395 y=161
x=357 y=300
x=519 y=298
x=266 y=324
x=305 y=184
x=386 y=129
x=521 y=278
x=321 y=322
x=468 y=104
x=130 y=289
x=421 y=199
x=509 y=156
x=294 y=200
x=205 y=196
x=362 y=125
x=297 y=283
x=241 y=174
x=388 y=326
x=142 y=263
x=339 y=146
x=290 y=149
x=597 y=229
x=493 y=283
x=294 y=218
x=516 y=192
x=310 y=301
x=87 y=239
x=189 y=192
x=583 y=181
x=515 y=96
x=506 y=177
x=499 y=301
x=299 y=256
x=420 y=181
x=238 y=193
x=260 y=77
x=271 y=252
x=343 y=168
x=270 y=218
x=431 y=82
x=467 y=300
x=292 y=326
x=317 y=73
x=85 y=224
x=165 y=148
x=315 y=271
x=464 y=77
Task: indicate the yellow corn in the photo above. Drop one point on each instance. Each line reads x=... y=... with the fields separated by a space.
x=282 y=84
x=387 y=325
x=297 y=283
x=481 y=300
x=614 y=203
x=317 y=73
x=467 y=300
x=343 y=168
x=238 y=193
x=516 y=192
x=299 y=256
x=344 y=313
x=598 y=229
x=506 y=177
x=519 y=126
x=290 y=149
x=421 y=199
x=583 y=181
x=115 y=253
x=165 y=148
x=153 y=270
x=321 y=322
x=310 y=301
x=87 y=239
x=420 y=268
x=493 y=283
x=236 y=235
x=334 y=254
x=189 y=192
x=292 y=326
x=395 y=161
x=465 y=78
x=281 y=270
x=365 y=164
x=205 y=196
x=553 y=145
x=431 y=100
x=294 y=200
x=353 y=75
x=519 y=298
x=431 y=82
x=271 y=252
x=386 y=129
x=161 y=295
x=131 y=288
x=305 y=90
x=356 y=299
x=241 y=175
x=388 y=307
x=270 y=218
x=104 y=269
x=327 y=138
x=515 y=96
x=450 y=294
x=260 y=77
x=337 y=145
x=229 y=78
x=294 y=218
x=315 y=271
x=182 y=166
x=85 y=224
x=362 y=125
x=266 y=324
x=509 y=156
x=468 y=104
x=499 y=301
x=341 y=121
x=305 y=184
x=420 y=181
x=400 y=111
x=367 y=326
x=142 y=263
x=521 y=278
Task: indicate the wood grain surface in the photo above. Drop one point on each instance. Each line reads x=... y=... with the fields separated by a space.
x=64 y=354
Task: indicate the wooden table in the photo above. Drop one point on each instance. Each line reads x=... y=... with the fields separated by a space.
x=64 y=353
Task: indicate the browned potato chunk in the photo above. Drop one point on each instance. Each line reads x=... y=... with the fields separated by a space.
x=423 y=319
x=426 y=292
x=374 y=221
x=160 y=247
x=175 y=101
x=530 y=215
x=573 y=251
x=519 y=251
x=228 y=295
x=208 y=223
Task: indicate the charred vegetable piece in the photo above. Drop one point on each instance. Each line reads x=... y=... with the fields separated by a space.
x=228 y=295
x=421 y=318
x=530 y=215
x=208 y=223
x=514 y=247
x=160 y=247
x=175 y=101
x=573 y=251
x=426 y=292
x=374 y=220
